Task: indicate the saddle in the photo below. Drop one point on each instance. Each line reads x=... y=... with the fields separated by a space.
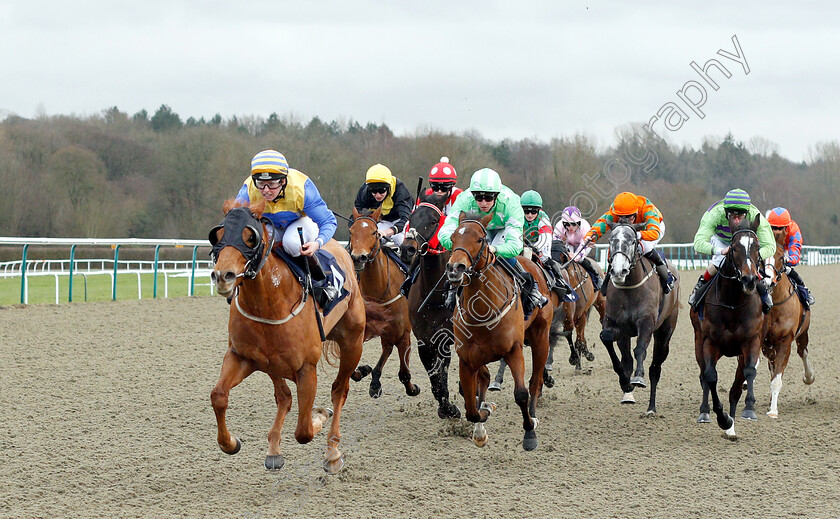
x=327 y=276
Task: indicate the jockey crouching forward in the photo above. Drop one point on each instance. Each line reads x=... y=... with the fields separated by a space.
x=292 y=201
x=571 y=230
x=630 y=208
x=788 y=231
x=382 y=189
x=537 y=234
x=715 y=233
x=504 y=232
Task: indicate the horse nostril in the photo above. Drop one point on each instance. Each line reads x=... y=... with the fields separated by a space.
x=213 y=276
x=229 y=277
x=411 y=251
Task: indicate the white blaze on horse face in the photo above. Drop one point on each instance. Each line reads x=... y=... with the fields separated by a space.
x=746 y=242
x=364 y=224
x=461 y=230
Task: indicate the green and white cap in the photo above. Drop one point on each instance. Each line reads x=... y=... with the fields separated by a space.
x=485 y=180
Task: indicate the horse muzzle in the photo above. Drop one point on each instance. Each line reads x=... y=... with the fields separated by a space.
x=225 y=281
x=455 y=272
x=749 y=283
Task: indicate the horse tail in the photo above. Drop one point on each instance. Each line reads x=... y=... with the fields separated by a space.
x=331 y=352
x=377 y=318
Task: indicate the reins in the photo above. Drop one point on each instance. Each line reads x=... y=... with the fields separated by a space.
x=372 y=257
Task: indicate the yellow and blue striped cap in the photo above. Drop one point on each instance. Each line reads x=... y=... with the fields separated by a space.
x=269 y=165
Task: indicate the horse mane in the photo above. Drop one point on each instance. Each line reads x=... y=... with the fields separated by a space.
x=435 y=199
x=257 y=207
x=471 y=215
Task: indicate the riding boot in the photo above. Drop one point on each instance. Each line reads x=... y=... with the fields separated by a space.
x=413 y=270
x=451 y=297
x=694 y=299
x=560 y=286
x=797 y=279
x=322 y=289
x=589 y=266
x=766 y=297
x=534 y=295
x=665 y=277
x=606 y=281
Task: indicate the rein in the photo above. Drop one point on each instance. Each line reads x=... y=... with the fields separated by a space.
x=372 y=257
x=286 y=319
x=474 y=269
x=429 y=245
x=730 y=261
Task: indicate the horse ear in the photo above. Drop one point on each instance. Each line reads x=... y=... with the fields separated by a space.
x=755 y=223
x=377 y=214
x=440 y=201
x=355 y=213
x=639 y=226
x=257 y=208
x=486 y=220
x=610 y=224
x=461 y=217
x=228 y=205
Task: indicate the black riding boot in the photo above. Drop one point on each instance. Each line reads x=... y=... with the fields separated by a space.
x=413 y=270
x=534 y=296
x=796 y=278
x=322 y=289
x=606 y=280
x=561 y=287
x=766 y=297
x=589 y=266
x=665 y=276
x=694 y=299
x=451 y=297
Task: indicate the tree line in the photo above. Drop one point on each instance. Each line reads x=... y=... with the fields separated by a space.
x=156 y=176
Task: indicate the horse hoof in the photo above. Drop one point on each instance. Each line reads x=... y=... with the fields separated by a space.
x=589 y=356
x=414 y=391
x=650 y=413
x=361 y=372
x=334 y=466
x=274 y=462
x=725 y=422
x=628 y=398
x=529 y=443
x=638 y=382
x=495 y=386
x=773 y=414
x=808 y=380
x=548 y=380
x=449 y=411
x=235 y=449
x=704 y=418
x=749 y=414
x=574 y=360
x=729 y=433
x=479 y=435
x=375 y=391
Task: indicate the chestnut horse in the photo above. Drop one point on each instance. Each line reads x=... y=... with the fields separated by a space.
x=489 y=325
x=637 y=307
x=432 y=324
x=272 y=328
x=380 y=279
x=588 y=298
x=732 y=326
x=787 y=321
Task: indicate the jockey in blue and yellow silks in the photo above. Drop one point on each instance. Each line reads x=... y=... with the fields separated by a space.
x=291 y=201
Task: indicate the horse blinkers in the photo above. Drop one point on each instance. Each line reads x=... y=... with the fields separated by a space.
x=234 y=224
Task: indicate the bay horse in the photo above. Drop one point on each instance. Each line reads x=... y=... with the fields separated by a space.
x=489 y=325
x=787 y=321
x=272 y=328
x=636 y=307
x=380 y=279
x=432 y=324
x=578 y=311
x=733 y=325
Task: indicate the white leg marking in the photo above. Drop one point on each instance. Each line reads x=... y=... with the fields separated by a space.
x=809 y=370
x=730 y=433
x=628 y=398
x=775 y=388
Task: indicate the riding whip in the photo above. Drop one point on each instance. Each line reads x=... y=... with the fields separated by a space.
x=309 y=288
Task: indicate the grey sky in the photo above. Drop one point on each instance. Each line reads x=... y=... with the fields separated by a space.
x=538 y=69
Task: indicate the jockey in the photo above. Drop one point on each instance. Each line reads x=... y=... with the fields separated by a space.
x=382 y=189
x=487 y=195
x=442 y=178
x=714 y=235
x=537 y=235
x=570 y=230
x=784 y=227
x=291 y=201
x=630 y=208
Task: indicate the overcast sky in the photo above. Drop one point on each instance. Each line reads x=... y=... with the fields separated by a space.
x=539 y=69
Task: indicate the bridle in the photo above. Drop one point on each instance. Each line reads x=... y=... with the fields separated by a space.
x=233 y=223
x=428 y=245
x=489 y=257
x=376 y=248
x=730 y=256
x=636 y=257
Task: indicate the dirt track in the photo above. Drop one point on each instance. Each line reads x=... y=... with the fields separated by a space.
x=107 y=413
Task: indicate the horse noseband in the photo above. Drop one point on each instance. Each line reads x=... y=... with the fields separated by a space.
x=237 y=220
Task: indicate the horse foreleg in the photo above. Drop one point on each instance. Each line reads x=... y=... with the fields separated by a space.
x=308 y=425
x=436 y=358
x=640 y=352
x=467 y=376
x=404 y=349
x=375 y=390
x=482 y=382
x=234 y=370
x=710 y=376
x=737 y=386
x=350 y=353
x=802 y=349
x=704 y=405
x=283 y=397
x=520 y=395
x=608 y=338
x=661 y=348
x=539 y=353
x=580 y=336
x=777 y=371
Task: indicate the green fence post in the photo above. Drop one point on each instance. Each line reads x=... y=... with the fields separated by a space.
x=192 y=277
x=114 y=283
x=154 y=284
x=23 y=294
x=72 y=261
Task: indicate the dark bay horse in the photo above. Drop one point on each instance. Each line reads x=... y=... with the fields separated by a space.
x=272 y=328
x=637 y=307
x=787 y=321
x=575 y=314
x=432 y=324
x=380 y=278
x=732 y=326
x=489 y=325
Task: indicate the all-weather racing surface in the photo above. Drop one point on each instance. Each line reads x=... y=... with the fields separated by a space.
x=107 y=413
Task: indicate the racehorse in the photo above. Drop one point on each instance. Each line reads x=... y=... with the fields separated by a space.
x=636 y=307
x=489 y=325
x=432 y=324
x=578 y=311
x=787 y=321
x=732 y=326
x=380 y=279
x=272 y=328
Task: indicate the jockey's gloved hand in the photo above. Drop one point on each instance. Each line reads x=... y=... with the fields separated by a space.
x=492 y=249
